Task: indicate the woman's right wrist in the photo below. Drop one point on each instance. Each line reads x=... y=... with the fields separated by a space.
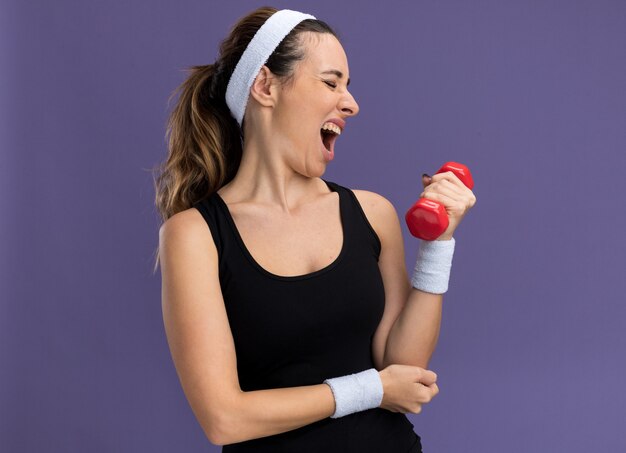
x=356 y=392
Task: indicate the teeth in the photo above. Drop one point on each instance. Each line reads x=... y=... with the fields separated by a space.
x=328 y=126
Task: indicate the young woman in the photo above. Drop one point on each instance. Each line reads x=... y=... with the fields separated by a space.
x=287 y=307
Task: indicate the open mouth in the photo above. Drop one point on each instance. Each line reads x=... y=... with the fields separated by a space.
x=328 y=139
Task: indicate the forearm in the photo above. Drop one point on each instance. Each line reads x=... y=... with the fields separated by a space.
x=263 y=413
x=413 y=337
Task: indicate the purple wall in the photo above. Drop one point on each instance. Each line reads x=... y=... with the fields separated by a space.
x=530 y=95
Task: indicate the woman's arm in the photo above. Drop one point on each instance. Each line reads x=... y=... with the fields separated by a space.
x=263 y=413
x=203 y=350
x=409 y=329
x=413 y=337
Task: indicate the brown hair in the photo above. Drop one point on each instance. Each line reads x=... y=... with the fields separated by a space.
x=204 y=140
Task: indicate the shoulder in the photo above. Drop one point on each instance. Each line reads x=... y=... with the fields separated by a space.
x=372 y=200
x=380 y=212
x=186 y=229
x=186 y=221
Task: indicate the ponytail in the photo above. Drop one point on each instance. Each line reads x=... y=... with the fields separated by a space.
x=204 y=144
x=200 y=131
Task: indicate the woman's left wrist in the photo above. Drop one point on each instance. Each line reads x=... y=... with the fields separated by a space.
x=432 y=268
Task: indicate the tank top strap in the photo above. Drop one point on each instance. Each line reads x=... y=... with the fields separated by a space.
x=359 y=227
x=217 y=225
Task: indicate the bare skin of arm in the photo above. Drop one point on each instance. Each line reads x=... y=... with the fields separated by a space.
x=409 y=328
x=203 y=350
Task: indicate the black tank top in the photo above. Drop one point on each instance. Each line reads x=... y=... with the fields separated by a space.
x=293 y=331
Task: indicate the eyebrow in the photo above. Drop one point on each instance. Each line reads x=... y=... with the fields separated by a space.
x=337 y=73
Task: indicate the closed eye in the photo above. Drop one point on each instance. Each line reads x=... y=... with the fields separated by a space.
x=330 y=84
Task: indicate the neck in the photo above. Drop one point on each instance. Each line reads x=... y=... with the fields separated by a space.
x=265 y=176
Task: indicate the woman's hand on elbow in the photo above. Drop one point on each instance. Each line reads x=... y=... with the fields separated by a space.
x=406 y=388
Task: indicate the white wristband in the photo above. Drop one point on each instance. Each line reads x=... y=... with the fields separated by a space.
x=432 y=269
x=356 y=392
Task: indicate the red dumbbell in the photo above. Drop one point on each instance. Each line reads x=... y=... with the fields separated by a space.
x=428 y=219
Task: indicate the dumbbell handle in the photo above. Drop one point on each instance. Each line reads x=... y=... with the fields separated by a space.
x=428 y=219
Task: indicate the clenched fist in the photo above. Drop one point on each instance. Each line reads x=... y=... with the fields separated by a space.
x=448 y=190
x=406 y=388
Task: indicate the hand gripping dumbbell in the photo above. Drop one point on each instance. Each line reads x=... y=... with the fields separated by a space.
x=428 y=219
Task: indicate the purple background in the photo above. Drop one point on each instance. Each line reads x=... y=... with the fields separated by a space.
x=531 y=95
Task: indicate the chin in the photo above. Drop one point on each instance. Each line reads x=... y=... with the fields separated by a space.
x=314 y=171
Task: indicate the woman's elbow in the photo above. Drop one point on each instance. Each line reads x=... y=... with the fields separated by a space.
x=216 y=431
x=224 y=426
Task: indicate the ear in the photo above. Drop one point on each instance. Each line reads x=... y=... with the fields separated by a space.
x=263 y=87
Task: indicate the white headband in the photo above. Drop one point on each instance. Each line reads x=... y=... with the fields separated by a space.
x=260 y=48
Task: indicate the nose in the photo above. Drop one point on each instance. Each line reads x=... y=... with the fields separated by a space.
x=349 y=105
